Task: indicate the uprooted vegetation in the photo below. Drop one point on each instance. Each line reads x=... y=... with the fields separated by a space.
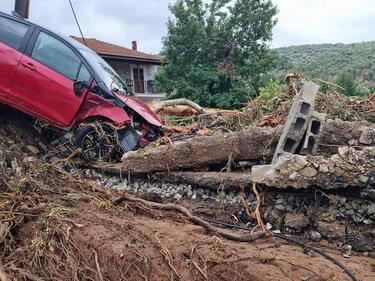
x=56 y=225
x=58 y=222
x=265 y=112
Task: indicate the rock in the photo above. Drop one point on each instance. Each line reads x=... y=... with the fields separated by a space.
x=280 y=201
x=190 y=193
x=274 y=217
x=296 y=221
x=289 y=208
x=350 y=212
x=367 y=136
x=280 y=207
x=347 y=206
x=353 y=142
x=368 y=221
x=331 y=230
x=194 y=196
x=268 y=226
x=177 y=197
x=277 y=231
x=315 y=236
x=371 y=209
x=323 y=168
x=341 y=201
x=308 y=172
x=363 y=179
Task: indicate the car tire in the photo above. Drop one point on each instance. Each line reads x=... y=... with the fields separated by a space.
x=94 y=145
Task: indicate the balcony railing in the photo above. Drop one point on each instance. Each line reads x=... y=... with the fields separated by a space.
x=142 y=87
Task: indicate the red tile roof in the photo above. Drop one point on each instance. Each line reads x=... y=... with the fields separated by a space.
x=104 y=48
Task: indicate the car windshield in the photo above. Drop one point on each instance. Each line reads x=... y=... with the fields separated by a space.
x=106 y=73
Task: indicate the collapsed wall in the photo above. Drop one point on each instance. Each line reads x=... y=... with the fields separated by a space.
x=350 y=167
x=251 y=144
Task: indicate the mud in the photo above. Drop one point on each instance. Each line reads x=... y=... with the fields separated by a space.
x=58 y=223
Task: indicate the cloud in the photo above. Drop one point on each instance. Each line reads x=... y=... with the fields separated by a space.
x=115 y=21
x=324 y=21
x=120 y=22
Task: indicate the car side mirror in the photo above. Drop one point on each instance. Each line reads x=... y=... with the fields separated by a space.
x=78 y=87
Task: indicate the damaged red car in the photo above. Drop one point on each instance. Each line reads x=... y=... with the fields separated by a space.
x=67 y=86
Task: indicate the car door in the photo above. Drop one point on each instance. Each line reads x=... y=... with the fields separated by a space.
x=13 y=35
x=43 y=84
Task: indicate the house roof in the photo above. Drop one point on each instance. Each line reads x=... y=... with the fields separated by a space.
x=111 y=50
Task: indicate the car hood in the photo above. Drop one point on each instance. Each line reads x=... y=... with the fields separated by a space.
x=141 y=108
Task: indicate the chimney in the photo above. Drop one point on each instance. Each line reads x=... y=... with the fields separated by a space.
x=134 y=45
x=22 y=8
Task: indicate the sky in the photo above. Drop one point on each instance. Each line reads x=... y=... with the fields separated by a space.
x=122 y=21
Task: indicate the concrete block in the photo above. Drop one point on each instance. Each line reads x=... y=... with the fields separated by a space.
x=298 y=120
x=258 y=171
x=313 y=133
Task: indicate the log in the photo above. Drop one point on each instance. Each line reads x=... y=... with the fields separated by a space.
x=250 y=144
x=160 y=106
x=211 y=180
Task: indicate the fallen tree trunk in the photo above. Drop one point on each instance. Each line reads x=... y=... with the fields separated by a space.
x=213 y=180
x=349 y=168
x=250 y=144
x=160 y=106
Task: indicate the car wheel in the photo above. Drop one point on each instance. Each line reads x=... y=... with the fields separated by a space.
x=97 y=142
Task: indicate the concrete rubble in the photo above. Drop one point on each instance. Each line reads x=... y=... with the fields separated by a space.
x=349 y=168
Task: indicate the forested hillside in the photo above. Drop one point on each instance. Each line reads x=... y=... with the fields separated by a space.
x=329 y=61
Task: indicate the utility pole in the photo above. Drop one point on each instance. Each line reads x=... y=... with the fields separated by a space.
x=21 y=7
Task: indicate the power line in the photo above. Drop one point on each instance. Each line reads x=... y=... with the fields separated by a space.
x=75 y=16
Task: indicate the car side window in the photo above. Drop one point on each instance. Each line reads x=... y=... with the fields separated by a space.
x=84 y=74
x=12 y=32
x=54 y=54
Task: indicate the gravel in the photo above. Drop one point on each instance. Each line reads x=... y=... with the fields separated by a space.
x=357 y=210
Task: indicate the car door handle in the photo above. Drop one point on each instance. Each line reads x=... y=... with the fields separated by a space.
x=28 y=65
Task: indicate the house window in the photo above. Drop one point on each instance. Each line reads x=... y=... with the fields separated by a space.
x=139 y=80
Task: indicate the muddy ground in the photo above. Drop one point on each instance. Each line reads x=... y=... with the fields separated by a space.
x=137 y=243
x=56 y=224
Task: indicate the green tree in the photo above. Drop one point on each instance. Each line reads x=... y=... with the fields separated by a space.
x=217 y=52
x=350 y=85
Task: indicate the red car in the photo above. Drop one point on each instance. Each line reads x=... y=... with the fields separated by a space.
x=64 y=84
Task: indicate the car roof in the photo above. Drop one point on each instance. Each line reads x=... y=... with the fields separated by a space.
x=66 y=38
x=15 y=16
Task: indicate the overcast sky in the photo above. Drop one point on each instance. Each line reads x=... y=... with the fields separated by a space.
x=121 y=21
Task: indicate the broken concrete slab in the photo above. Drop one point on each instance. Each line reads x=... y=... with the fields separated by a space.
x=350 y=167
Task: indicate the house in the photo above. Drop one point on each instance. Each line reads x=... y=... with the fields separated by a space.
x=136 y=68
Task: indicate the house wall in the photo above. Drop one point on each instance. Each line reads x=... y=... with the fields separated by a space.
x=125 y=69
x=122 y=68
x=149 y=70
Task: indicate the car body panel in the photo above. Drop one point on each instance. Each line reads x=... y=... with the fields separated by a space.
x=44 y=93
x=141 y=108
x=9 y=61
x=95 y=106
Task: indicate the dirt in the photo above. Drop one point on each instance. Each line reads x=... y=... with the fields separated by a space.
x=130 y=242
x=56 y=224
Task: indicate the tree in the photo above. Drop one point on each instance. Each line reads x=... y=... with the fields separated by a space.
x=350 y=85
x=217 y=53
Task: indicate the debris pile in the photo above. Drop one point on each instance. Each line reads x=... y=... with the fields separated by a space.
x=349 y=168
x=100 y=221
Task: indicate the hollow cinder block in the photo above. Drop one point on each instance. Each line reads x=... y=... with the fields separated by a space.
x=298 y=120
x=313 y=133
